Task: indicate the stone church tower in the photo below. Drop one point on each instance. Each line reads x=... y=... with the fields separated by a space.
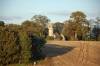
x=50 y=29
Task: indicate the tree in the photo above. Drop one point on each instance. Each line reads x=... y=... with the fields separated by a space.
x=96 y=29
x=96 y=33
x=77 y=26
x=68 y=30
x=58 y=30
x=2 y=23
x=42 y=20
x=58 y=27
x=32 y=27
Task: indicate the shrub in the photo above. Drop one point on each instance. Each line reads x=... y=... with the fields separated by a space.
x=50 y=38
x=17 y=46
x=25 y=43
x=9 y=47
x=99 y=38
x=37 y=44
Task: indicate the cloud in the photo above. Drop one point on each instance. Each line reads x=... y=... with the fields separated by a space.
x=10 y=18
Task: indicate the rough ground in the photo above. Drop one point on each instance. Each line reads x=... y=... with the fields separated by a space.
x=71 y=53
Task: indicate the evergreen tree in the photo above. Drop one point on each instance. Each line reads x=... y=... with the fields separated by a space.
x=25 y=43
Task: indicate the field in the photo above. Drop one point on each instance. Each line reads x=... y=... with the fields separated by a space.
x=71 y=53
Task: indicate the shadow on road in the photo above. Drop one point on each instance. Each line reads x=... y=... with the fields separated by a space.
x=52 y=50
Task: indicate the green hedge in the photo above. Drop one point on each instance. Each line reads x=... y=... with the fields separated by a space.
x=25 y=43
x=16 y=47
x=9 y=47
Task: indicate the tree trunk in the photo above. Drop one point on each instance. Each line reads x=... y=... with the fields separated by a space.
x=76 y=36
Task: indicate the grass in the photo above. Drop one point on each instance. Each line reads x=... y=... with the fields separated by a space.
x=17 y=65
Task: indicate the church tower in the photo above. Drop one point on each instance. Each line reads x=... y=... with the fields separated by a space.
x=50 y=29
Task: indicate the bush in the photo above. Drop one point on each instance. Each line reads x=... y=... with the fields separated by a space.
x=58 y=37
x=99 y=38
x=50 y=38
x=25 y=43
x=37 y=44
x=17 y=46
x=9 y=47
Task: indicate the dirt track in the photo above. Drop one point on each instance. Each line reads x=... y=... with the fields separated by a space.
x=71 y=53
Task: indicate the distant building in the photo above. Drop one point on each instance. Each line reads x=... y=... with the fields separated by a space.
x=50 y=29
x=51 y=32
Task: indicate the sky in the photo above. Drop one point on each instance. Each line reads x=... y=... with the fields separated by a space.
x=17 y=11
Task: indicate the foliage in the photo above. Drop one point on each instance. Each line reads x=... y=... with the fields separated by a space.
x=99 y=38
x=25 y=47
x=13 y=27
x=16 y=45
x=50 y=38
x=2 y=23
x=58 y=27
x=77 y=26
x=40 y=19
x=37 y=44
x=96 y=33
x=33 y=27
x=9 y=47
x=23 y=43
x=57 y=36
